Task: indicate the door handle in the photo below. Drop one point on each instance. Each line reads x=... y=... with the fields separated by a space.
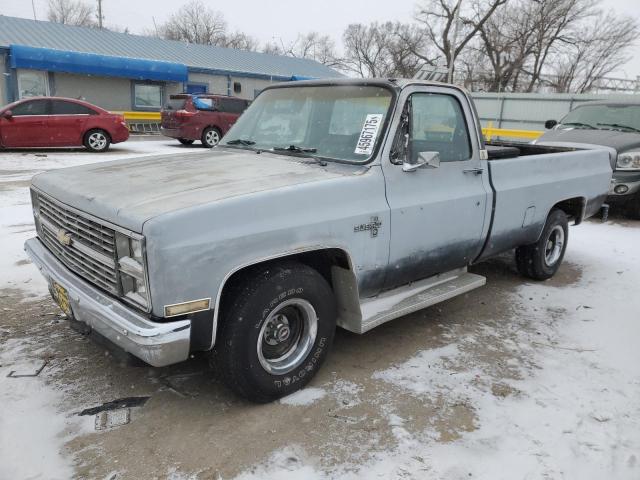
x=476 y=171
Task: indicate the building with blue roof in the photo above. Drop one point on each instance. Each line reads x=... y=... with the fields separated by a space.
x=120 y=71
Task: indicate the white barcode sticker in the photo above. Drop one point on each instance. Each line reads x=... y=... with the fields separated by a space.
x=369 y=134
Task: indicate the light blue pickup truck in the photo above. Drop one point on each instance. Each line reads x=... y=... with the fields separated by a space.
x=329 y=203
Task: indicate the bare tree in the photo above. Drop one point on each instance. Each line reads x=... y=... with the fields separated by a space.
x=443 y=19
x=312 y=45
x=71 y=12
x=596 y=50
x=197 y=23
x=383 y=50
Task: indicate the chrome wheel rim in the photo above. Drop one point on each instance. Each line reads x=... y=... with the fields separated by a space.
x=554 y=245
x=97 y=140
x=287 y=336
x=212 y=138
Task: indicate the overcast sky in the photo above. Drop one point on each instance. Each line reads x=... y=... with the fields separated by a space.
x=267 y=20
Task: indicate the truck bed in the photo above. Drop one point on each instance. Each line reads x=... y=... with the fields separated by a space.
x=527 y=186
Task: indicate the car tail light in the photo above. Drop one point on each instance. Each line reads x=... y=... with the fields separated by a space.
x=184 y=114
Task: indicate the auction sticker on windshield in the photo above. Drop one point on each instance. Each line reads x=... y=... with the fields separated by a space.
x=368 y=134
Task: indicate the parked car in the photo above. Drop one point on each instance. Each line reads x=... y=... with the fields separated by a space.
x=613 y=124
x=60 y=122
x=343 y=202
x=201 y=117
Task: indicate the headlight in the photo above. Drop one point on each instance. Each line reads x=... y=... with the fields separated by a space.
x=628 y=161
x=133 y=275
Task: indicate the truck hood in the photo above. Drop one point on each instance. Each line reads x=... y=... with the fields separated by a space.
x=129 y=192
x=620 y=141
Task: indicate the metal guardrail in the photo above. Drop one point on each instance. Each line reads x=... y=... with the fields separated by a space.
x=137 y=121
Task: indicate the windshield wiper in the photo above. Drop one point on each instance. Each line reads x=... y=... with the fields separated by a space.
x=303 y=151
x=618 y=125
x=579 y=124
x=240 y=141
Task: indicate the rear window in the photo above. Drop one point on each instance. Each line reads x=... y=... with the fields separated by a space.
x=175 y=104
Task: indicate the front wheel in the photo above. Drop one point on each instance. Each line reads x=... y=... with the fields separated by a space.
x=277 y=329
x=210 y=137
x=541 y=260
x=97 y=140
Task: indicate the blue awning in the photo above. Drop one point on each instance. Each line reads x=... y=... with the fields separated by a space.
x=296 y=78
x=93 y=64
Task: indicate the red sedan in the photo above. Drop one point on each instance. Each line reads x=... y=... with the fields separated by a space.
x=59 y=122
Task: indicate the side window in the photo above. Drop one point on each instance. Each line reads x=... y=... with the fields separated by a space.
x=60 y=107
x=437 y=124
x=202 y=103
x=34 y=107
x=232 y=105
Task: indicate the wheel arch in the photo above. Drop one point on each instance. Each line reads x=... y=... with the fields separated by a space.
x=334 y=264
x=574 y=208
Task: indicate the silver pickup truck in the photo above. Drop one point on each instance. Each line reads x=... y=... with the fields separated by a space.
x=341 y=202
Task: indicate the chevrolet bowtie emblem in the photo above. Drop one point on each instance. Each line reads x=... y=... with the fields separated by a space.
x=63 y=237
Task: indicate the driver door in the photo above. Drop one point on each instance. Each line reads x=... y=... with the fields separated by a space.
x=437 y=212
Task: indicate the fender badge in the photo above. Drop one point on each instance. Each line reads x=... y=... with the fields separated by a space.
x=373 y=226
x=64 y=237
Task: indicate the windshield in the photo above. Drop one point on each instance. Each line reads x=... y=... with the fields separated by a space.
x=604 y=117
x=332 y=122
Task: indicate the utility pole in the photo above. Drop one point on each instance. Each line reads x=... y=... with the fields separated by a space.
x=452 y=50
x=33 y=6
x=100 y=14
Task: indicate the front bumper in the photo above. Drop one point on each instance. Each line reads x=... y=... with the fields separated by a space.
x=630 y=180
x=157 y=344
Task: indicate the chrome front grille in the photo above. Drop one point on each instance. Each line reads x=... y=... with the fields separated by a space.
x=85 y=246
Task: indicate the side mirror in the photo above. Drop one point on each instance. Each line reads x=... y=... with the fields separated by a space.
x=7 y=114
x=549 y=124
x=425 y=159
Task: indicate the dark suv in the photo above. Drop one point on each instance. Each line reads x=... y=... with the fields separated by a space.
x=200 y=117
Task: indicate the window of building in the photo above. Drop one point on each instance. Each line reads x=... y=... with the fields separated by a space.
x=32 y=83
x=33 y=107
x=237 y=87
x=147 y=96
x=60 y=107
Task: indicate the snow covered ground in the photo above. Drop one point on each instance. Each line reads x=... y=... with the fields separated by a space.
x=569 y=409
x=573 y=414
x=16 y=218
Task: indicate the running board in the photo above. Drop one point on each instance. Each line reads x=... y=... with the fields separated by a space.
x=416 y=296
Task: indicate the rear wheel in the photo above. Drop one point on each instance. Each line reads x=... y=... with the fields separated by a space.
x=277 y=329
x=97 y=140
x=185 y=141
x=541 y=260
x=211 y=137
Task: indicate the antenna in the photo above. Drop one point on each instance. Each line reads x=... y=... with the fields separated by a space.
x=33 y=6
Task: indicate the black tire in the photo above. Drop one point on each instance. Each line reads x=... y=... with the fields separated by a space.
x=185 y=141
x=253 y=319
x=633 y=210
x=541 y=260
x=97 y=140
x=210 y=137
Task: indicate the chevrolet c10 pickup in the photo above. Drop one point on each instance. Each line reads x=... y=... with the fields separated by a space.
x=329 y=203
